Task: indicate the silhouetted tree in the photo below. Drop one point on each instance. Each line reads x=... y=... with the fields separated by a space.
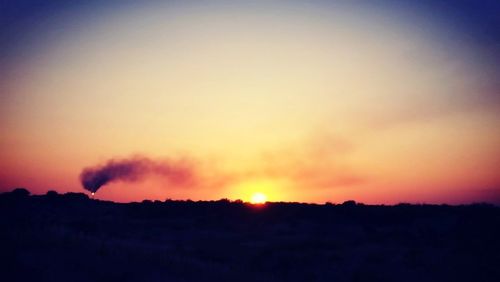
x=20 y=192
x=349 y=203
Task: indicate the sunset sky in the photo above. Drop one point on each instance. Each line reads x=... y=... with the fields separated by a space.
x=375 y=101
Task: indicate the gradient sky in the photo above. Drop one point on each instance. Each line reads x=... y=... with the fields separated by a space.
x=376 y=101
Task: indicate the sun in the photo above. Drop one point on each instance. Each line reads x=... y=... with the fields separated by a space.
x=258 y=191
x=258 y=198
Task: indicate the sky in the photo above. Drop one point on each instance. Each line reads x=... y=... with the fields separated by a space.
x=379 y=101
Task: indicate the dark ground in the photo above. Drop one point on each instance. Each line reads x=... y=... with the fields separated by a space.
x=72 y=238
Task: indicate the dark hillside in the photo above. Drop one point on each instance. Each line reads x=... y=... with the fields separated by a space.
x=73 y=238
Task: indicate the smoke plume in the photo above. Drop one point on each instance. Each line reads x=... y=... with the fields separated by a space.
x=179 y=173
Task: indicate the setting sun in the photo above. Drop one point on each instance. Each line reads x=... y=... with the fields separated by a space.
x=258 y=198
x=259 y=190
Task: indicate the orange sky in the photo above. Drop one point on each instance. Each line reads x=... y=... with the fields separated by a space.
x=295 y=101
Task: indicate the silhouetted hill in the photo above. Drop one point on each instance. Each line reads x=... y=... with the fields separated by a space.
x=70 y=237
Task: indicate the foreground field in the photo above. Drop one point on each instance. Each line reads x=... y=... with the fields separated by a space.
x=72 y=238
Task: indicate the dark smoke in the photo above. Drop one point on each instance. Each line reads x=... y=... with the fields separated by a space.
x=135 y=169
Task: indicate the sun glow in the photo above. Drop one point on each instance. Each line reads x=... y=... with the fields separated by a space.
x=259 y=190
x=258 y=198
